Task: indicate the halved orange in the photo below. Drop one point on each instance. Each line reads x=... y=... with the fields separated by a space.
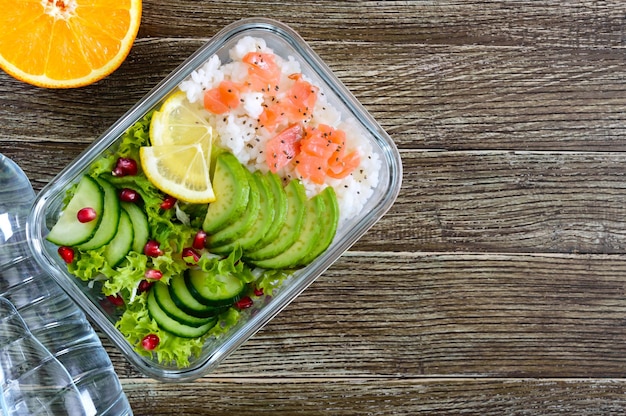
x=66 y=43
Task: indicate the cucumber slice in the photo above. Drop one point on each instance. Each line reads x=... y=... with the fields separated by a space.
x=186 y=302
x=171 y=325
x=230 y=184
x=141 y=227
x=110 y=218
x=306 y=241
x=329 y=221
x=167 y=305
x=242 y=224
x=262 y=223
x=220 y=290
x=289 y=232
x=68 y=231
x=122 y=243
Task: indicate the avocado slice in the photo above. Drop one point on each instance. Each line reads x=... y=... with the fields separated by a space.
x=307 y=239
x=232 y=190
x=263 y=221
x=290 y=230
x=242 y=224
x=275 y=188
x=328 y=220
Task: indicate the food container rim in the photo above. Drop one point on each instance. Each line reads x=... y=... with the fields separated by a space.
x=71 y=172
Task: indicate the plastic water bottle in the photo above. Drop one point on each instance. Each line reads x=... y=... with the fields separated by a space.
x=50 y=316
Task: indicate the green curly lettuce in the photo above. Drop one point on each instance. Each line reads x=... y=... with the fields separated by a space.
x=132 y=140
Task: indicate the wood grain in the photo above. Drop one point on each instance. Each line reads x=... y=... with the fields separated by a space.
x=495 y=284
x=380 y=397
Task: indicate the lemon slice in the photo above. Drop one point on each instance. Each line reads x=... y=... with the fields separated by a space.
x=178 y=122
x=179 y=159
x=181 y=171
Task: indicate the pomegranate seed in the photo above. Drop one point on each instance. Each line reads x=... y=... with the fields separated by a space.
x=144 y=286
x=86 y=215
x=124 y=167
x=168 y=202
x=199 y=240
x=258 y=291
x=244 y=303
x=153 y=274
x=190 y=252
x=129 y=195
x=117 y=300
x=150 y=342
x=66 y=253
x=152 y=249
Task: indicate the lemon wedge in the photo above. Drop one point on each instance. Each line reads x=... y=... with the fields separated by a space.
x=181 y=171
x=179 y=159
x=178 y=122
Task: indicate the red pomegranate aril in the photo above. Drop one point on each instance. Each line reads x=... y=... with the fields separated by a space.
x=150 y=342
x=117 y=300
x=129 y=195
x=190 y=252
x=144 y=286
x=199 y=240
x=258 y=291
x=152 y=249
x=66 y=253
x=125 y=167
x=168 y=202
x=244 y=303
x=87 y=214
x=153 y=274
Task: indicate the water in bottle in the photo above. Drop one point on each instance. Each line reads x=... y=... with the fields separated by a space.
x=50 y=316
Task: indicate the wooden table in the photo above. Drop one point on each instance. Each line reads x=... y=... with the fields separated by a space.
x=496 y=283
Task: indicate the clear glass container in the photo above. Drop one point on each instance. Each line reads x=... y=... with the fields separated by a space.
x=286 y=43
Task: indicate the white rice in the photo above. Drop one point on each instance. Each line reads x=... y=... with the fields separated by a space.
x=240 y=133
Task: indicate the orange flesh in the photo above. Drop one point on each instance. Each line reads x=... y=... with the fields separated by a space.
x=66 y=43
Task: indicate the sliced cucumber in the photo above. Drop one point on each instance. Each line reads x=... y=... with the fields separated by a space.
x=110 y=218
x=306 y=241
x=262 y=222
x=220 y=290
x=242 y=224
x=167 y=305
x=122 y=243
x=289 y=232
x=165 y=322
x=187 y=302
x=328 y=221
x=69 y=231
x=141 y=227
x=232 y=190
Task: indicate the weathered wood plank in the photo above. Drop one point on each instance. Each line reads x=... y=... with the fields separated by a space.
x=410 y=314
x=506 y=201
x=572 y=24
x=380 y=396
x=499 y=201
